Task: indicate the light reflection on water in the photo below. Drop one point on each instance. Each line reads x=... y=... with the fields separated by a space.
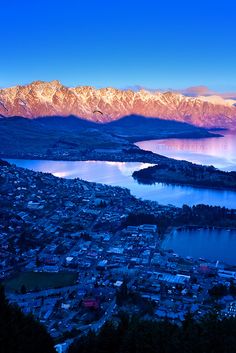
x=120 y=174
x=219 y=151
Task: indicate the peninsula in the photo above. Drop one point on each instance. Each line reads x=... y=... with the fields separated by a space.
x=186 y=173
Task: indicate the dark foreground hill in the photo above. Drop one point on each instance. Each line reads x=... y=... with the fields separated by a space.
x=210 y=335
x=20 y=333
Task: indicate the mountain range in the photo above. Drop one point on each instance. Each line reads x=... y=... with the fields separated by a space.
x=41 y=98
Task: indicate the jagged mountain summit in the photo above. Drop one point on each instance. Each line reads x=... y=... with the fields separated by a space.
x=107 y=104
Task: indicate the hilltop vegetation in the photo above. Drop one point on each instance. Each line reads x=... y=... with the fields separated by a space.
x=20 y=333
x=186 y=173
x=199 y=215
x=210 y=335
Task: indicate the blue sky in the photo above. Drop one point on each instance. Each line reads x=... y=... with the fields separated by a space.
x=155 y=44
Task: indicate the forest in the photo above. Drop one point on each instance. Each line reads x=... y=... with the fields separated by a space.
x=198 y=215
x=21 y=333
x=131 y=335
x=186 y=173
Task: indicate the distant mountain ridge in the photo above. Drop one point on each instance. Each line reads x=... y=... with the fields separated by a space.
x=52 y=98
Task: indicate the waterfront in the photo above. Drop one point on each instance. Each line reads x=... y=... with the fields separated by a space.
x=120 y=174
x=77 y=227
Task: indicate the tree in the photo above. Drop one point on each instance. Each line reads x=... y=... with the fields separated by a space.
x=20 y=333
x=218 y=291
x=122 y=293
x=37 y=261
x=141 y=336
x=23 y=289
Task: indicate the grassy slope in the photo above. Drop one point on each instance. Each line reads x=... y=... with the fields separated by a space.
x=40 y=280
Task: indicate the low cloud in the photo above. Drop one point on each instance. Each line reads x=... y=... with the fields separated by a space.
x=193 y=91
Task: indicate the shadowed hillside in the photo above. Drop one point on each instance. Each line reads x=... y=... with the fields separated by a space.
x=20 y=333
x=210 y=335
x=74 y=137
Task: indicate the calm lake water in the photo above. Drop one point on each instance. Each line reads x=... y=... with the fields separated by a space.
x=217 y=151
x=120 y=174
x=217 y=244
x=220 y=152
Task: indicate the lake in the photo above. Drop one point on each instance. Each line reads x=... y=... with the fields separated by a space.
x=221 y=152
x=217 y=151
x=120 y=174
x=212 y=244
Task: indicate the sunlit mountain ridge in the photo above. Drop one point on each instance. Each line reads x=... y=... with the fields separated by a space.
x=107 y=104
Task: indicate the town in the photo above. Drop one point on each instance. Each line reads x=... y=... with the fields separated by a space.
x=69 y=257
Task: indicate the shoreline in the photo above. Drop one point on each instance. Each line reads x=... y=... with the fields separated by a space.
x=157 y=159
x=187 y=136
x=195 y=186
x=184 y=173
x=186 y=227
x=134 y=154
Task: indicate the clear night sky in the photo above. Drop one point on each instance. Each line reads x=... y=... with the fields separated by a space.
x=155 y=44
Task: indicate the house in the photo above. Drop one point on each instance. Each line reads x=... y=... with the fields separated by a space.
x=227 y=274
x=91 y=303
x=149 y=228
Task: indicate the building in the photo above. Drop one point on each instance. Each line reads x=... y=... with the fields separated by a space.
x=91 y=303
x=149 y=228
x=227 y=274
x=175 y=279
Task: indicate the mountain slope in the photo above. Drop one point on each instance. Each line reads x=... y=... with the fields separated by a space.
x=72 y=137
x=52 y=98
x=137 y=127
x=21 y=136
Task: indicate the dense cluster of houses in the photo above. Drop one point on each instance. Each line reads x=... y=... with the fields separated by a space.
x=53 y=225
